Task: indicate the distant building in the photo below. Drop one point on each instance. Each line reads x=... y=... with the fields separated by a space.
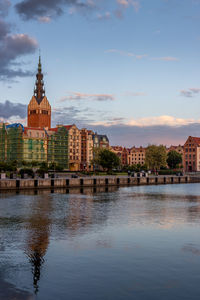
x=122 y=153
x=191 y=155
x=86 y=149
x=136 y=156
x=100 y=141
x=179 y=149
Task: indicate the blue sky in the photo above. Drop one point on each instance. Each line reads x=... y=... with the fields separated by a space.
x=129 y=68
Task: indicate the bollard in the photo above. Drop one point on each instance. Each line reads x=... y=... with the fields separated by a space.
x=35 y=183
x=17 y=183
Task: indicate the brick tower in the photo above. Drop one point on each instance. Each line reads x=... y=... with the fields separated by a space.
x=39 y=109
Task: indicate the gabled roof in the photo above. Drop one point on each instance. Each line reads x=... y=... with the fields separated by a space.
x=194 y=139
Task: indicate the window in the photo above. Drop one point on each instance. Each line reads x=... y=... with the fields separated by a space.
x=44 y=112
x=33 y=112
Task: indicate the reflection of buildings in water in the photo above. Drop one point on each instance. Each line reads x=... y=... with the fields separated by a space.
x=38 y=230
x=167 y=214
x=83 y=211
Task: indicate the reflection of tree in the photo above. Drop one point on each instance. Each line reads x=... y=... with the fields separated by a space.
x=38 y=235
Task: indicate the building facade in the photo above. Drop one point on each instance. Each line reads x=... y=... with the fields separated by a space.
x=87 y=146
x=136 y=156
x=122 y=153
x=179 y=149
x=191 y=154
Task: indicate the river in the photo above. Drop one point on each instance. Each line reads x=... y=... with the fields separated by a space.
x=140 y=242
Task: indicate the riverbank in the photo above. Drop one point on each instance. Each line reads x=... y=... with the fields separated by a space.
x=98 y=181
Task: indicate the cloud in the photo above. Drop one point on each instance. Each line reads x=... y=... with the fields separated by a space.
x=128 y=3
x=81 y=96
x=191 y=92
x=128 y=136
x=12 y=47
x=4 y=7
x=135 y=94
x=9 y=109
x=140 y=56
x=166 y=58
x=161 y=120
x=165 y=130
x=104 y=16
x=35 y=9
x=153 y=121
x=125 y=53
x=44 y=19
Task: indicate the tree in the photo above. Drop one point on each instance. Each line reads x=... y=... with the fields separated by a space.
x=155 y=157
x=174 y=159
x=106 y=159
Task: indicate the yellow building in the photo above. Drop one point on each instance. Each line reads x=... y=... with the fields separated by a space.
x=136 y=156
x=87 y=146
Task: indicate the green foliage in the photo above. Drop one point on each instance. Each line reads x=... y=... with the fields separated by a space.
x=137 y=168
x=106 y=159
x=174 y=159
x=27 y=171
x=156 y=157
x=41 y=171
x=44 y=165
x=56 y=167
x=8 y=167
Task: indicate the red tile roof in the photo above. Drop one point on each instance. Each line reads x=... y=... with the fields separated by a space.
x=196 y=139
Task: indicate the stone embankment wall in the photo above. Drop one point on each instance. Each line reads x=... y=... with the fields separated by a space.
x=23 y=184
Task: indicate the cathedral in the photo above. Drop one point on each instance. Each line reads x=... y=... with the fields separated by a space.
x=39 y=109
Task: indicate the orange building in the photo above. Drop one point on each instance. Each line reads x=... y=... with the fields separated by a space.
x=191 y=155
x=39 y=109
x=122 y=153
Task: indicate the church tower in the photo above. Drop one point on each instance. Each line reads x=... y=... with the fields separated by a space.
x=39 y=109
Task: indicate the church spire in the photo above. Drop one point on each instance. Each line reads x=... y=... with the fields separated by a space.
x=39 y=91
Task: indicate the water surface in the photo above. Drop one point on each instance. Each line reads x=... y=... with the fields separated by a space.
x=128 y=243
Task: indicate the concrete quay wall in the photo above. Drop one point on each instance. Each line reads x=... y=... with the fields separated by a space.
x=23 y=184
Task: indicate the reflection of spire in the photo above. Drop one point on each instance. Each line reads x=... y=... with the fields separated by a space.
x=36 y=261
x=38 y=237
x=39 y=91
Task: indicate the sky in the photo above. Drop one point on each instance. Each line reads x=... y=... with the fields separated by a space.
x=125 y=68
